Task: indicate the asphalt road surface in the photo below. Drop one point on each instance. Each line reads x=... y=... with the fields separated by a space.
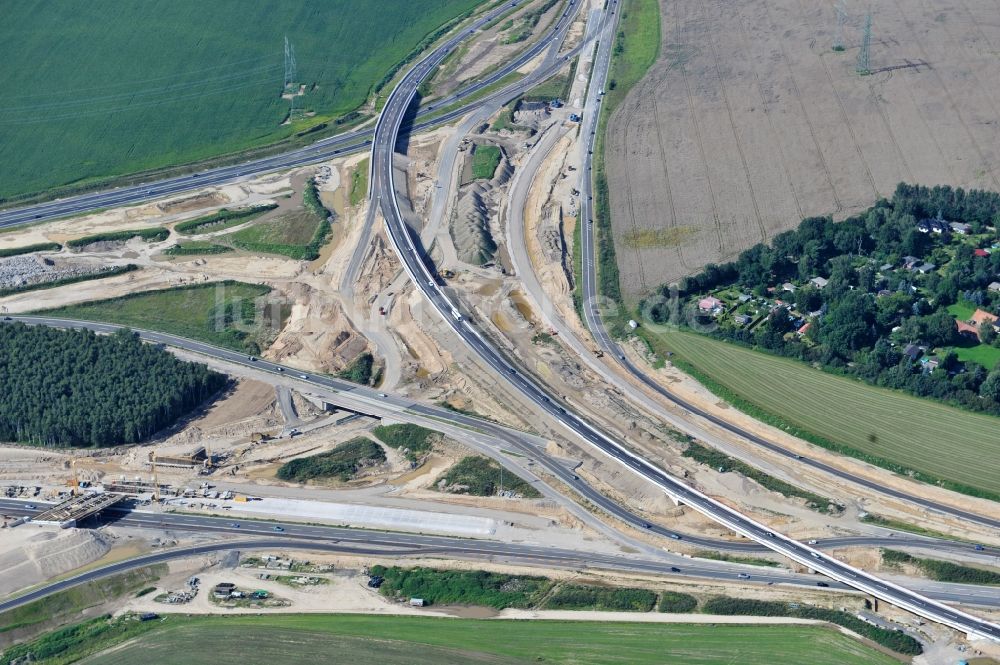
x=244 y=534
x=373 y=403
x=421 y=272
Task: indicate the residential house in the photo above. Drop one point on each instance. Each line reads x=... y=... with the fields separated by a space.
x=929 y=364
x=924 y=268
x=742 y=319
x=818 y=282
x=994 y=286
x=968 y=330
x=788 y=286
x=933 y=226
x=710 y=304
x=745 y=297
x=960 y=228
x=910 y=261
x=981 y=316
x=804 y=329
x=912 y=351
x=885 y=266
x=980 y=252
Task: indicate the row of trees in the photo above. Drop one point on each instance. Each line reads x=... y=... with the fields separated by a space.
x=75 y=388
x=865 y=315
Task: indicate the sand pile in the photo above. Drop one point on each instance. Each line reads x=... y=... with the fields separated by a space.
x=40 y=553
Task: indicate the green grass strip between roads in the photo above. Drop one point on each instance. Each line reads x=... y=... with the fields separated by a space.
x=927 y=440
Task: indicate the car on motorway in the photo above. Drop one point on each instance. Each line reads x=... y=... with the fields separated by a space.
x=979 y=548
x=303 y=376
x=235 y=525
x=814 y=555
x=822 y=584
x=675 y=536
x=279 y=528
x=675 y=569
x=813 y=541
x=743 y=576
x=647 y=525
x=30 y=506
x=382 y=395
x=769 y=534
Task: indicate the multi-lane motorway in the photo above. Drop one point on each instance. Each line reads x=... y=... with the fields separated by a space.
x=431 y=114
x=385 y=136
x=247 y=534
x=413 y=257
x=370 y=402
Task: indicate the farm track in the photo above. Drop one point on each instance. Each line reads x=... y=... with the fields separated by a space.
x=950 y=100
x=985 y=90
x=666 y=182
x=736 y=137
x=805 y=116
x=767 y=113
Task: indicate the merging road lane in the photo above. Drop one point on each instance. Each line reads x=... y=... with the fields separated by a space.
x=420 y=271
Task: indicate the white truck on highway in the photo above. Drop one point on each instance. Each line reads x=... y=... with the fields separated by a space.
x=457 y=314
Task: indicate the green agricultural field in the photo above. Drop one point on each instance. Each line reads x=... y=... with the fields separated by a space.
x=485 y=161
x=935 y=440
x=405 y=640
x=110 y=87
x=220 y=313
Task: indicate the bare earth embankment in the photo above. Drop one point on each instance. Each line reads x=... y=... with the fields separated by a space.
x=750 y=121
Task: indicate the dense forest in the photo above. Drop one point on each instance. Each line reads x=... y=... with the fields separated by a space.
x=76 y=388
x=904 y=296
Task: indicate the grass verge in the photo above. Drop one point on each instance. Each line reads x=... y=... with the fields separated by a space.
x=149 y=235
x=30 y=249
x=480 y=476
x=943 y=571
x=412 y=440
x=343 y=462
x=724 y=463
x=885 y=427
x=485 y=161
x=222 y=220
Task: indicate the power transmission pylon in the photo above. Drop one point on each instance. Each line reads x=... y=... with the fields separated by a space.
x=864 y=55
x=838 y=36
x=290 y=67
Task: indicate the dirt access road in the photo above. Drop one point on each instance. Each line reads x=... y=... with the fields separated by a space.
x=749 y=121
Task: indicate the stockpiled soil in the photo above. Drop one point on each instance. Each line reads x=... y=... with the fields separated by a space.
x=749 y=121
x=111 y=87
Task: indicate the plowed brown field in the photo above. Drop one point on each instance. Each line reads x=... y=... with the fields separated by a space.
x=749 y=121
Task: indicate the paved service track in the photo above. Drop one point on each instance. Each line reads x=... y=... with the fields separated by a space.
x=424 y=277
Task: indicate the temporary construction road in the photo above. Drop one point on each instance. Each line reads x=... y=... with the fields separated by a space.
x=367 y=401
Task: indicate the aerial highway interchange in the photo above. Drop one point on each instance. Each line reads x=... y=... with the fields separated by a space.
x=383 y=140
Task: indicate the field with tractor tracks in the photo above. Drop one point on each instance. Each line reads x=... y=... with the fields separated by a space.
x=749 y=121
